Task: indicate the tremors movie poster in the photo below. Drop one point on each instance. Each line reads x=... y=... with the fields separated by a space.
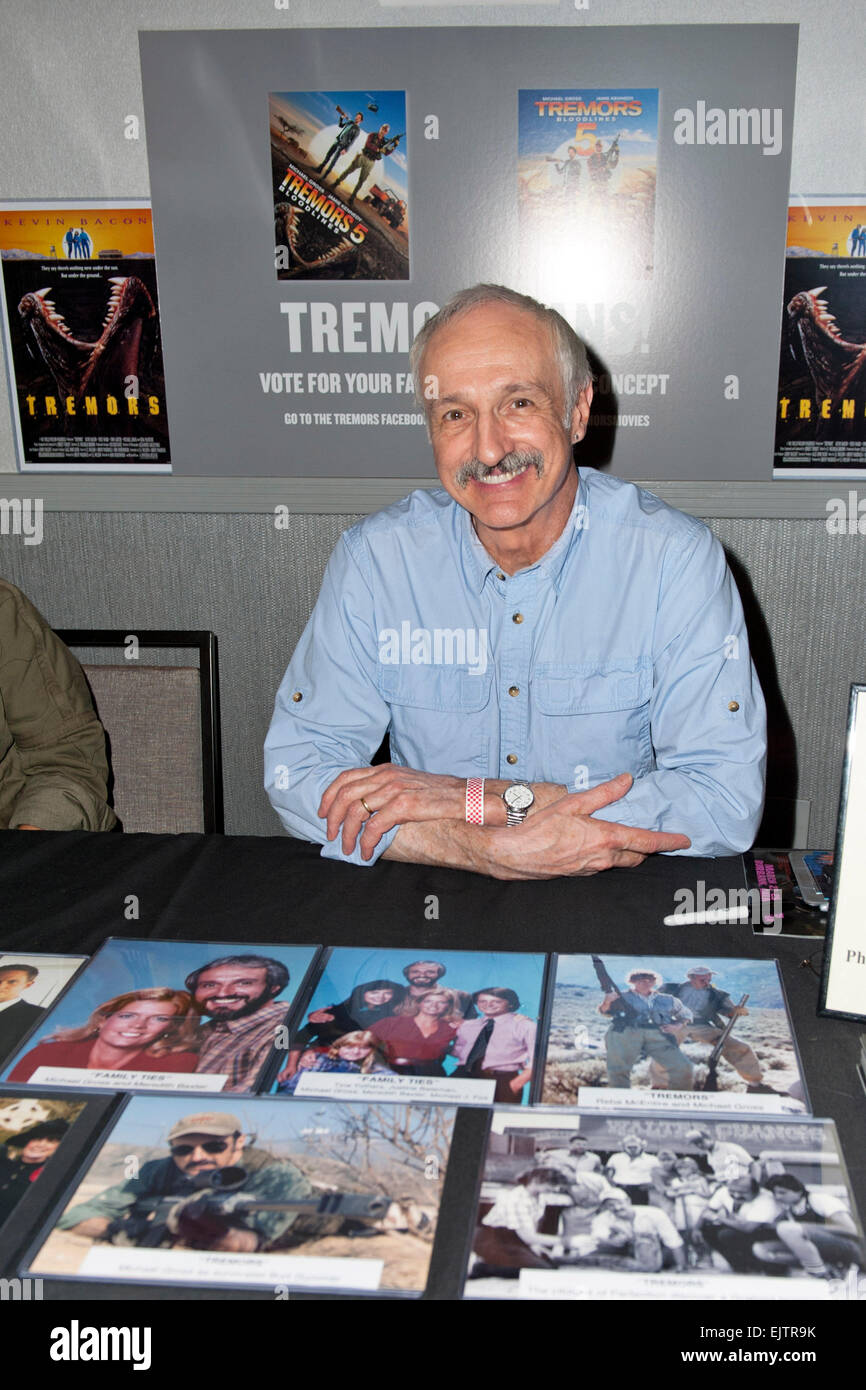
x=821 y=406
x=587 y=183
x=83 y=343
x=341 y=200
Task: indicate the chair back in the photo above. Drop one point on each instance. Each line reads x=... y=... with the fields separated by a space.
x=162 y=727
x=153 y=727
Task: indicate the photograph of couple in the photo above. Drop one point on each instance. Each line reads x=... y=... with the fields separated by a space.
x=169 y=1015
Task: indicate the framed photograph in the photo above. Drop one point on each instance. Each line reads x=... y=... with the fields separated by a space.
x=670 y=1207
x=666 y=1033
x=43 y=1137
x=456 y=1027
x=168 y=1016
x=843 y=985
x=312 y=1195
x=29 y=985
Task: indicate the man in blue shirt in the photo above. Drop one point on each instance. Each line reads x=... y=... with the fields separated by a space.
x=559 y=658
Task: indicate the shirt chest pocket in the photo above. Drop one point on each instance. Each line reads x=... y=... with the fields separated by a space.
x=440 y=717
x=598 y=716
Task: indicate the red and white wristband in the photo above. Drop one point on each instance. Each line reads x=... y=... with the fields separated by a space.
x=474 y=800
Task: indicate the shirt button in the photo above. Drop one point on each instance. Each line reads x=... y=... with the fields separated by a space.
x=499 y=574
x=511 y=759
x=733 y=706
x=517 y=617
x=297 y=697
x=514 y=689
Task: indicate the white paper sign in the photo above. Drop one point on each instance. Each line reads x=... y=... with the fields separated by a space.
x=444 y=1090
x=694 y=1102
x=606 y=1283
x=846 y=970
x=224 y=1267
x=129 y=1080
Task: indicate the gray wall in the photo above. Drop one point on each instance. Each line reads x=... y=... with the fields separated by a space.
x=254 y=587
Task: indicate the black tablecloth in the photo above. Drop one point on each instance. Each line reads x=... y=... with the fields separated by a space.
x=67 y=892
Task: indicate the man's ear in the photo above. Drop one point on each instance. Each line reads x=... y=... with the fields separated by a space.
x=580 y=414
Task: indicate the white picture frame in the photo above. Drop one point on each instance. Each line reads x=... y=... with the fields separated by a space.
x=843 y=984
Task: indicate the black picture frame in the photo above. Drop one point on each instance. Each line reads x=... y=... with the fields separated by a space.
x=16 y=1232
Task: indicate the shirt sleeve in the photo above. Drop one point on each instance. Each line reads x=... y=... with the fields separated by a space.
x=329 y=715
x=274 y=1182
x=707 y=713
x=59 y=742
x=680 y=1012
x=528 y=1031
x=111 y=1203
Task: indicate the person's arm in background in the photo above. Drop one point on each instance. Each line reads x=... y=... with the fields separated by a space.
x=53 y=764
x=707 y=713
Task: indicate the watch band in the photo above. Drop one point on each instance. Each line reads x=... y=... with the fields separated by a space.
x=474 y=800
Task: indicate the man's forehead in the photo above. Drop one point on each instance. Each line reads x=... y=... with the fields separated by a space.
x=224 y=970
x=495 y=321
x=197 y=1136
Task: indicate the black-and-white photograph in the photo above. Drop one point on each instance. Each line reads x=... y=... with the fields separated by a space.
x=626 y=1206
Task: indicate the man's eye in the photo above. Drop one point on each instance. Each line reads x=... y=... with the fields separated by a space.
x=521 y=401
x=453 y=415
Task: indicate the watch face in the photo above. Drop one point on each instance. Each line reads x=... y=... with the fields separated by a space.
x=519 y=796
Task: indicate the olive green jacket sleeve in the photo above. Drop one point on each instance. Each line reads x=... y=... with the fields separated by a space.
x=53 y=764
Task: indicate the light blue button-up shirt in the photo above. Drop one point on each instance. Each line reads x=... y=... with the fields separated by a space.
x=623 y=649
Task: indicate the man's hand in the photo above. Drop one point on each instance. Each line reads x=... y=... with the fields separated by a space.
x=394 y=794
x=402 y=795
x=565 y=840
x=237 y=1239
x=94 y=1227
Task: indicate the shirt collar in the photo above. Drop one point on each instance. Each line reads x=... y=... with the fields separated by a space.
x=478 y=564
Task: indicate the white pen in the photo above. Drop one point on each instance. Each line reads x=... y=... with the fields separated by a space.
x=712 y=914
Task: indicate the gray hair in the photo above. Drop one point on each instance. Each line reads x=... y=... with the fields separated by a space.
x=574 y=369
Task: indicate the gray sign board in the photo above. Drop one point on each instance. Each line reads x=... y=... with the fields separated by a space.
x=305 y=375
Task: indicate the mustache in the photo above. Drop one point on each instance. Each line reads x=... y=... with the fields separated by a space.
x=515 y=462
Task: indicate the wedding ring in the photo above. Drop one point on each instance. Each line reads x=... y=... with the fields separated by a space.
x=368 y=809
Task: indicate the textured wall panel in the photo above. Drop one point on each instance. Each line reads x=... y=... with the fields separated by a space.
x=254 y=586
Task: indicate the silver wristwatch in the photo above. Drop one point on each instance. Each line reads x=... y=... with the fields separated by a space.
x=518 y=798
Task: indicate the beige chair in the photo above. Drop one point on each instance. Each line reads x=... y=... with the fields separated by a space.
x=162 y=729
